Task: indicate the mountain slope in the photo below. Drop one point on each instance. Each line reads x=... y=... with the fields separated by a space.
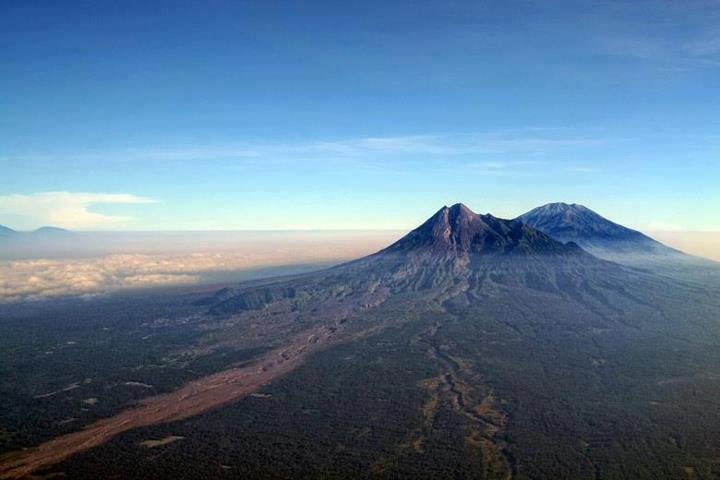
x=455 y=253
x=577 y=223
x=611 y=241
x=459 y=231
x=473 y=345
x=526 y=349
x=6 y=231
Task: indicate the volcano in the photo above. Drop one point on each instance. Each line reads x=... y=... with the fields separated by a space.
x=611 y=241
x=457 y=231
x=454 y=251
x=474 y=345
x=579 y=224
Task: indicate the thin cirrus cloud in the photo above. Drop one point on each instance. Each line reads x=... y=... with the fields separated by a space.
x=502 y=168
x=530 y=140
x=702 y=51
x=520 y=141
x=708 y=46
x=67 y=209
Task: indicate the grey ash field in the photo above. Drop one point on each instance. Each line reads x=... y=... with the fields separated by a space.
x=555 y=346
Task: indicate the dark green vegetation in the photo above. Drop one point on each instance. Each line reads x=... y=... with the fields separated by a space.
x=66 y=363
x=473 y=348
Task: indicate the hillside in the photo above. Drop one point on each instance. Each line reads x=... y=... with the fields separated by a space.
x=474 y=345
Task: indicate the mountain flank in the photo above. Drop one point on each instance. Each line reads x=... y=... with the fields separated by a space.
x=458 y=231
x=475 y=344
x=577 y=223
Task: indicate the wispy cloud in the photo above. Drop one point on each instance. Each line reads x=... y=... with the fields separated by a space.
x=530 y=141
x=67 y=209
x=581 y=169
x=701 y=50
x=502 y=167
x=634 y=46
x=706 y=45
x=507 y=142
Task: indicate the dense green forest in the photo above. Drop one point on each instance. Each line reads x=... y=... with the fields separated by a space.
x=453 y=393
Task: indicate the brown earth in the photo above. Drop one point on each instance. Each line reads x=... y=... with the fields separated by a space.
x=196 y=397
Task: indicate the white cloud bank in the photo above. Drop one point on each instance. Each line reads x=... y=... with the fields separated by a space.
x=39 y=278
x=42 y=278
x=67 y=209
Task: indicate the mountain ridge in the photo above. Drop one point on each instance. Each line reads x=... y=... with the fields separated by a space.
x=458 y=230
x=44 y=230
x=453 y=252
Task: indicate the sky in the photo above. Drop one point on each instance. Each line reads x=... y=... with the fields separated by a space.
x=215 y=114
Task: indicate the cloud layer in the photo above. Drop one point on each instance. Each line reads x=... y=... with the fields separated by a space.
x=67 y=209
x=41 y=278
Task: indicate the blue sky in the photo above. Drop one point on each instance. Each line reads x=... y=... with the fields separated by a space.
x=323 y=115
